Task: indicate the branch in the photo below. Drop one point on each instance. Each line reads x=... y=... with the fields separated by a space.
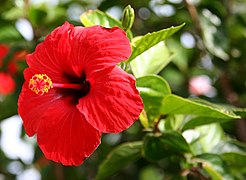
x=194 y=16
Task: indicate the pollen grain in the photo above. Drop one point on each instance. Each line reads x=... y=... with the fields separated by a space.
x=40 y=84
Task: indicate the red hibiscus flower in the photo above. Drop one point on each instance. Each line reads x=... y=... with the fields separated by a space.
x=18 y=56
x=74 y=91
x=7 y=84
x=12 y=63
x=3 y=52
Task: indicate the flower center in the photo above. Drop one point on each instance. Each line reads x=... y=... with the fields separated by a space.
x=41 y=83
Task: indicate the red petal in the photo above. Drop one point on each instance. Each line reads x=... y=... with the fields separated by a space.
x=73 y=51
x=20 y=55
x=7 y=84
x=113 y=103
x=32 y=107
x=96 y=48
x=12 y=68
x=3 y=52
x=51 y=56
x=66 y=136
x=63 y=134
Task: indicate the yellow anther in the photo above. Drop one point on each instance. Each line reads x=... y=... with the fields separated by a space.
x=40 y=84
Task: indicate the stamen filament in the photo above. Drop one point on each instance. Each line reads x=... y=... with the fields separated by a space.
x=41 y=83
x=68 y=86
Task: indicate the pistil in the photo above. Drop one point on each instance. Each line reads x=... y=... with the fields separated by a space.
x=68 y=86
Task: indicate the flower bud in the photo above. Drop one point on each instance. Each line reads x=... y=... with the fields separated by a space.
x=128 y=18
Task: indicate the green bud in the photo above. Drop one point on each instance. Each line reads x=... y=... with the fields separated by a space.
x=128 y=18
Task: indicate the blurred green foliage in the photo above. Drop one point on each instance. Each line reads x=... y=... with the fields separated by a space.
x=179 y=136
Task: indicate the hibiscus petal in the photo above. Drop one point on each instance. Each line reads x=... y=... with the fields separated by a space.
x=113 y=103
x=63 y=134
x=76 y=51
x=32 y=107
x=50 y=56
x=96 y=48
x=67 y=137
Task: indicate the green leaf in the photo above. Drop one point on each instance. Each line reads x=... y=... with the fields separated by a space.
x=236 y=110
x=119 y=158
x=37 y=15
x=176 y=141
x=13 y=13
x=212 y=172
x=214 y=38
x=240 y=111
x=9 y=34
x=6 y=103
x=236 y=161
x=215 y=166
x=153 y=89
x=150 y=172
x=97 y=17
x=173 y=104
x=157 y=146
x=181 y=55
x=153 y=85
x=210 y=136
x=230 y=146
x=174 y=122
x=233 y=153
x=199 y=121
x=153 y=149
x=151 y=39
x=151 y=61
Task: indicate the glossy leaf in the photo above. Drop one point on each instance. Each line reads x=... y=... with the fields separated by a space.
x=97 y=17
x=153 y=85
x=174 y=122
x=37 y=15
x=173 y=104
x=170 y=143
x=151 y=61
x=13 y=13
x=150 y=172
x=230 y=146
x=210 y=136
x=212 y=172
x=236 y=110
x=240 y=111
x=119 y=158
x=237 y=161
x=214 y=166
x=12 y=36
x=8 y=101
x=151 y=39
x=181 y=55
x=153 y=149
x=233 y=153
x=199 y=121
x=152 y=89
